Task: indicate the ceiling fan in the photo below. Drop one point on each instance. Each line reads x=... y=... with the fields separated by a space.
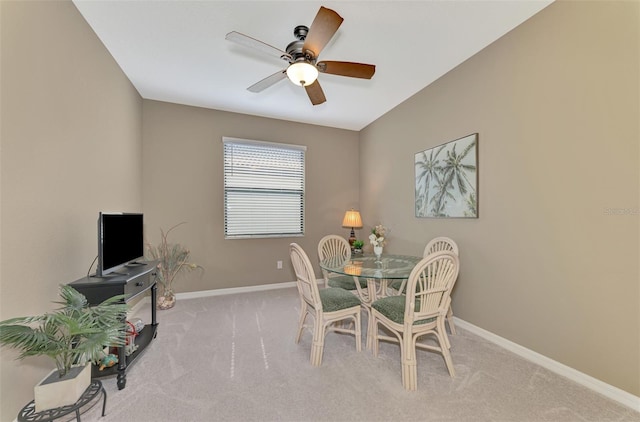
x=302 y=56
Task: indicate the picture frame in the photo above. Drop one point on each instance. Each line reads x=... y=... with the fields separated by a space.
x=446 y=179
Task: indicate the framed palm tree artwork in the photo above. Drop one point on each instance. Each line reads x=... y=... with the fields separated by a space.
x=447 y=179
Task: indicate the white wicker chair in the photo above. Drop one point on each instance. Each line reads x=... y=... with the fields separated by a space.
x=438 y=244
x=325 y=306
x=420 y=312
x=333 y=245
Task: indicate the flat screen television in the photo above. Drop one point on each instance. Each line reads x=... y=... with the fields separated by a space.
x=120 y=241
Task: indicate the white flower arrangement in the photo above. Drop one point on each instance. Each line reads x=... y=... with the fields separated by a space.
x=378 y=235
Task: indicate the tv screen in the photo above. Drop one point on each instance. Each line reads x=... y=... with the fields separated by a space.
x=120 y=241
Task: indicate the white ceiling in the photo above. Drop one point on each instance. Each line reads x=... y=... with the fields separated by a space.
x=176 y=51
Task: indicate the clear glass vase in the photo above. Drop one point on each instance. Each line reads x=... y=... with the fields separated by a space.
x=167 y=300
x=377 y=250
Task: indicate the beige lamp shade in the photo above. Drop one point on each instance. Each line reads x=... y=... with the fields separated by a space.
x=352 y=219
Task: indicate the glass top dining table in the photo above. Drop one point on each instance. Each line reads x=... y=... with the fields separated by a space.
x=388 y=267
x=376 y=271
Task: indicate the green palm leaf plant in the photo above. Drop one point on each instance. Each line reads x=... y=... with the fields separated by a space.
x=74 y=334
x=173 y=259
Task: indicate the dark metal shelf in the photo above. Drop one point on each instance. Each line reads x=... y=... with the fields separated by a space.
x=137 y=280
x=144 y=337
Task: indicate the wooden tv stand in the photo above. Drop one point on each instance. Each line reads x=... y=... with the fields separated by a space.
x=131 y=281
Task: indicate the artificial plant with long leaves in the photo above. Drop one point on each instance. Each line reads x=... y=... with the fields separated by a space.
x=173 y=259
x=74 y=334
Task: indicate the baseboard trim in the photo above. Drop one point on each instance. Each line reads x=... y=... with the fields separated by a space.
x=235 y=290
x=144 y=302
x=139 y=307
x=607 y=390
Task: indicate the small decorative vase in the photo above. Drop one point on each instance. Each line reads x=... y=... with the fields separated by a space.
x=167 y=300
x=378 y=251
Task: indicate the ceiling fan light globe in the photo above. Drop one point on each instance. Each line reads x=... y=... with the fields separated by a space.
x=302 y=73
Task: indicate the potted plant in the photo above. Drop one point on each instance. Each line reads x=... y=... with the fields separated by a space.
x=173 y=259
x=73 y=336
x=357 y=246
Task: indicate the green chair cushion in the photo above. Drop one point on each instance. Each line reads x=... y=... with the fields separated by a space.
x=346 y=282
x=395 y=284
x=334 y=299
x=393 y=308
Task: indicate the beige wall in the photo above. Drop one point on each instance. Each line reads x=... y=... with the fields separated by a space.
x=556 y=106
x=71 y=142
x=555 y=103
x=183 y=181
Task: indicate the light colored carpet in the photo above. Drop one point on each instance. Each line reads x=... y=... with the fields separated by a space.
x=233 y=358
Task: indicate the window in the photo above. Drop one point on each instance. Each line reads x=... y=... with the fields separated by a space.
x=263 y=189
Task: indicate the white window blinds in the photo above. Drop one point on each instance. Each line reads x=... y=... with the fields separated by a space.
x=263 y=189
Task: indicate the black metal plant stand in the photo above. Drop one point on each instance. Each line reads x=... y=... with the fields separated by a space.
x=29 y=414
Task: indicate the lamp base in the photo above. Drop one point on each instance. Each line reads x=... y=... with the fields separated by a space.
x=352 y=238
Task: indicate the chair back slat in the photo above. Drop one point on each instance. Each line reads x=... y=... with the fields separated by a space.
x=429 y=286
x=441 y=243
x=305 y=277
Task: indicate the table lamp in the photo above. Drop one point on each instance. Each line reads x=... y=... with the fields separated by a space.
x=352 y=219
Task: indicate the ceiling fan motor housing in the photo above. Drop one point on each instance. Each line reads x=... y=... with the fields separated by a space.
x=300 y=32
x=295 y=48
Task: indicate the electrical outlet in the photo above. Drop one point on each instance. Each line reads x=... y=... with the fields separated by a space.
x=279 y=265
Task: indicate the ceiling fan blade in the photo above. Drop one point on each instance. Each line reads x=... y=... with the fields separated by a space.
x=325 y=24
x=314 y=91
x=354 y=70
x=268 y=81
x=258 y=45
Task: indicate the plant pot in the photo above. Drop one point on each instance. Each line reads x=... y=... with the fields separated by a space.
x=55 y=391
